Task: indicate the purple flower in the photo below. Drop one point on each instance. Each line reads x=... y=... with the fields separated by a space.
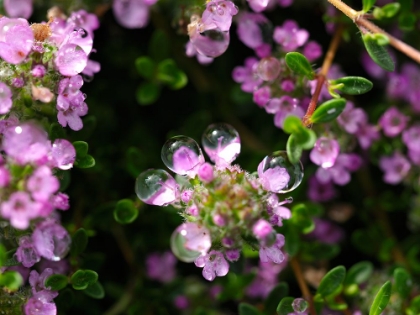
x=205 y=172
x=132 y=13
x=41 y=303
x=60 y=201
x=16 y=39
x=83 y=19
x=71 y=116
x=352 y=118
x=245 y=75
x=61 y=267
x=26 y=252
x=312 y=50
x=393 y=122
x=249 y=29
x=211 y=43
x=196 y=237
x=42 y=184
x=262 y=96
x=232 y=254
x=371 y=67
x=396 y=167
x=5 y=98
x=320 y=192
x=37 y=281
x=262 y=229
x=289 y=36
x=218 y=15
x=70 y=59
x=273 y=179
x=411 y=138
x=339 y=173
x=258 y=5
x=51 y=240
x=272 y=252
x=325 y=152
x=366 y=134
x=161 y=267
x=266 y=279
x=181 y=302
x=63 y=154
x=38 y=71
x=18 y=8
x=214 y=265
x=191 y=51
x=285 y=106
x=20 y=209
x=186 y=161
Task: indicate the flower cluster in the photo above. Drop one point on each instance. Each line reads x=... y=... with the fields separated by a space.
x=224 y=207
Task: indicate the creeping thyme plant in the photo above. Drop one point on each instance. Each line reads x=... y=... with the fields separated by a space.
x=273 y=147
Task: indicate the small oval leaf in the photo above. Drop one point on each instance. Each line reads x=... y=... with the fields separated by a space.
x=95 y=290
x=79 y=242
x=353 y=85
x=328 y=111
x=293 y=149
x=147 y=93
x=56 y=282
x=378 y=53
x=299 y=64
x=145 y=66
x=285 y=306
x=359 y=273
x=381 y=299
x=403 y=282
x=367 y=5
x=280 y=291
x=81 y=279
x=125 y=212
x=331 y=281
x=247 y=309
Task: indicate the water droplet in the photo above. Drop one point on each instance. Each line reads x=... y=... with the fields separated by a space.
x=182 y=155
x=289 y=199
x=63 y=154
x=222 y=144
x=277 y=174
x=210 y=43
x=189 y=241
x=156 y=187
x=268 y=68
x=299 y=305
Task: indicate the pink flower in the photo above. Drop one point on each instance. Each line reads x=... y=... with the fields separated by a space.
x=393 y=122
x=16 y=39
x=245 y=75
x=20 y=209
x=5 y=98
x=132 y=13
x=273 y=179
x=26 y=252
x=339 y=173
x=218 y=15
x=42 y=184
x=289 y=36
x=396 y=168
x=18 y=8
x=51 y=240
x=70 y=59
x=214 y=264
x=272 y=252
x=161 y=267
x=249 y=29
x=325 y=152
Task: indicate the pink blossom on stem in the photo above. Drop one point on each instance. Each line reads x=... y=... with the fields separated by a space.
x=191 y=51
x=246 y=75
x=132 y=13
x=339 y=173
x=218 y=15
x=262 y=96
x=352 y=118
x=26 y=252
x=272 y=252
x=325 y=152
x=393 y=122
x=289 y=36
x=19 y=209
x=161 y=266
x=320 y=192
x=213 y=264
x=262 y=229
x=286 y=106
x=249 y=29
x=16 y=39
x=273 y=179
x=18 y=8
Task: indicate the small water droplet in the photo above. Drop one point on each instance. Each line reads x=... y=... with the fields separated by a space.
x=222 y=144
x=299 y=305
x=210 y=43
x=182 y=155
x=156 y=187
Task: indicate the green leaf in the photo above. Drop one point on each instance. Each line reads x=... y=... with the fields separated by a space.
x=169 y=74
x=247 y=309
x=159 y=47
x=10 y=259
x=303 y=136
x=147 y=93
x=293 y=149
x=414 y=308
x=125 y=212
x=56 y=282
x=332 y=281
x=378 y=53
x=81 y=148
x=367 y=5
x=381 y=299
x=359 y=273
x=299 y=64
x=56 y=131
x=407 y=21
x=86 y=162
x=79 y=242
x=293 y=244
x=95 y=290
x=3 y=255
x=301 y=219
x=328 y=111
x=81 y=279
x=280 y=291
x=353 y=85
x=387 y=11
x=12 y=280
x=145 y=66
x=403 y=282
x=285 y=306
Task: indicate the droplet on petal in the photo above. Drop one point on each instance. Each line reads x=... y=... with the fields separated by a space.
x=268 y=68
x=70 y=60
x=63 y=154
x=189 y=241
x=156 y=187
x=51 y=240
x=210 y=43
x=182 y=155
x=221 y=143
x=277 y=174
x=299 y=305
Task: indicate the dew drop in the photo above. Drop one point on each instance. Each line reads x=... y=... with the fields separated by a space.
x=182 y=155
x=189 y=241
x=222 y=144
x=277 y=174
x=299 y=305
x=210 y=43
x=156 y=187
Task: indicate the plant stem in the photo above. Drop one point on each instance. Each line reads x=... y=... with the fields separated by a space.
x=360 y=21
x=294 y=262
x=322 y=75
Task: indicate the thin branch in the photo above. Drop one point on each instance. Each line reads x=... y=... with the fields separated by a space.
x=294 y=262
x=360 y=21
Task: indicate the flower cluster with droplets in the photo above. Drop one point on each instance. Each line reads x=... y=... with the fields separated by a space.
x=223 y=206
x=42 y=69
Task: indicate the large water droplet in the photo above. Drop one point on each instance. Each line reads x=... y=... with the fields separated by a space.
x=182 y=155
x=63 y=154
x=156 y=187
x=222 y=143
x=299 y=305
x=210 y=43
x=189 y=241
x=277 y=174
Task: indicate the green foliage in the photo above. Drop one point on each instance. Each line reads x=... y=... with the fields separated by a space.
x=359 y=273
x=56 y=131
x=56 y=282
x=81 y=279
x=387 y=11
x=299 y=65
x=332 y=281
x=169 y=74
x=79 y=242
x=293 y=149
x=414 y=308
x=147 y=93
x=402 y=282
x=125 y=211
x=291 y=233
x=95 y=290
x=145 y=67
x=381 y=299
x=300 y=138
x=247 y=309
x=2 y=255
x=367 y=5
x=11 y=280
x=352 y=85
x=377 y=52
x=279 y=292
x=328 y=111
x=285 y=306
x=83 y=159
x=302 y=219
